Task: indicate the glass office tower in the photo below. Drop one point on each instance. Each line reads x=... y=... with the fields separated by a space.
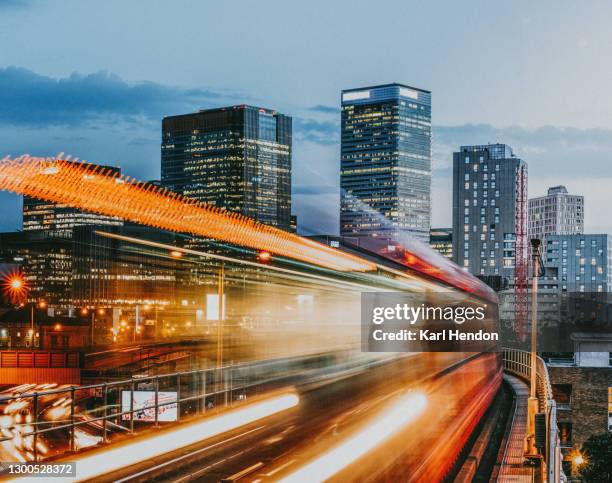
x=385 y=179
x=237 y=158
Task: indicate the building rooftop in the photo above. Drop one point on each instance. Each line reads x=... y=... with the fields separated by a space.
x=553 y=190
x=495 y=150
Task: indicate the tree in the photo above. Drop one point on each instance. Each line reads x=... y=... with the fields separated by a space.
x=597 y=466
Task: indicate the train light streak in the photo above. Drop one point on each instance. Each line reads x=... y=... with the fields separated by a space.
x=113 y=459
x=95 y=189
x=403 y=412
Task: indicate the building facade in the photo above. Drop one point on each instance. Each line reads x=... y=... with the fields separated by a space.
x=237 y=158
x=557 y=213
x=485 y=186
x=45 y=259
x=441 y=240
x=581 y=263
x=385 y=166
x=582 y=388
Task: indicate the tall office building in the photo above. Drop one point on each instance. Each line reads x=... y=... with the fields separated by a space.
x=485 y=203
x=59 y=219
x=237 y=158
x=385 y=179
x=441 y=240
x=557 y=213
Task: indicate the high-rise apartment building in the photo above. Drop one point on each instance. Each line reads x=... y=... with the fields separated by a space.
x=557 y=213
x=385 y=179
x=237 y=158
x=580 y=263
x=486 y=184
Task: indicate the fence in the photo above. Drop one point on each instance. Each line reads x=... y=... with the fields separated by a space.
x=518 y=362
x=75 y=412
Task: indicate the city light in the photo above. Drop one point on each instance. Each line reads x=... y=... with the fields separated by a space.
x=15 y=287
x=94 y=188
x=176 y=254
x=264 y=256
x=16 y=283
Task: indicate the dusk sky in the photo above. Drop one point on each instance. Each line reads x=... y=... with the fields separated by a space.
x=94 y=79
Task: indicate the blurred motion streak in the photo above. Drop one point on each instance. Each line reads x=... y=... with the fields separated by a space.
x=112 y=459
x=403 y=412
x=96 y=189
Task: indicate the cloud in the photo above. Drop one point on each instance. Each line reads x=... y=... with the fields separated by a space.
x=31 y=99
x=325 y=109
x=315 y=190
x=325 y=133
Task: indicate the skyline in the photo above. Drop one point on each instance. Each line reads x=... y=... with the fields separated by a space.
x=512 y=95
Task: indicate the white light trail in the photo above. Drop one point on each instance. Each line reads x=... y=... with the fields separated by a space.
x=395 y=418
x=124 y=455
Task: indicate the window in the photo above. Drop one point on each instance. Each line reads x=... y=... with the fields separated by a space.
x=562 y=394
x=565 y=433
x=467 y=160
x=467 y=176
x=475 y=168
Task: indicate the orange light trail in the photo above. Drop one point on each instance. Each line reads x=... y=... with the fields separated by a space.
x=98 y=190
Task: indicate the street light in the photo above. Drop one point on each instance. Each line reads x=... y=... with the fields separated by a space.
x=579 y=459
x=16 y=283
x=15 y=287
x=532 y=402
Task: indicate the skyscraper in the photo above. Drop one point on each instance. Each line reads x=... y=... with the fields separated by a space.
x=557 y=213
x=485 y=187
x=237 y=158
x=385 y=177
x=441 y=240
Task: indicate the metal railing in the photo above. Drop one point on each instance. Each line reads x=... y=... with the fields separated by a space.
x=518 y=362
x=112 y=407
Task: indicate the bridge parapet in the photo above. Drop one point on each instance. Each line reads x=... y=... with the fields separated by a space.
x=518 y=363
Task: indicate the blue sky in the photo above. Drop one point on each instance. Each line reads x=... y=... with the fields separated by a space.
x=94 y=79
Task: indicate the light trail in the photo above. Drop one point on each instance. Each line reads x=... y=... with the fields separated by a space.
x=124 y=455
x=98 y=190
x=395 y=418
